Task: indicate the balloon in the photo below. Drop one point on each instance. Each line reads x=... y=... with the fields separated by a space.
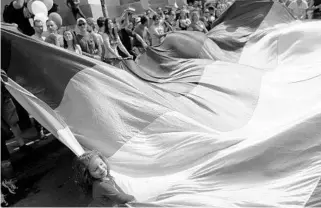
x=56 y=18
x=39 y=7
x=48 y=3
x=145 y=4
x=43 y=18
x=29 y=6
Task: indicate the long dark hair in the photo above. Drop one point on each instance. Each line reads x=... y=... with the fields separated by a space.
x=114 y=31
x=82 y=176
x=74 y=41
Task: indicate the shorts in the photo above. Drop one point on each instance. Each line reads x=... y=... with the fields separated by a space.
x=8 y=111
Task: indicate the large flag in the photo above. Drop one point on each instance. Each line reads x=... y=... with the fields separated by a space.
x=189 y=124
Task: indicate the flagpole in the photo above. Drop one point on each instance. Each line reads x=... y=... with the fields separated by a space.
x=103 y=7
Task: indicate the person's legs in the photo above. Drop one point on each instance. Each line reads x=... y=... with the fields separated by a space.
x=81 y=13
x=24 y=120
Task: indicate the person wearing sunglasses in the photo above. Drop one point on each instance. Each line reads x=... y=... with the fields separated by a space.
x=88 y=42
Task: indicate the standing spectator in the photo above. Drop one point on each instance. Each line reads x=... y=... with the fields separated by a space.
x=101 y=29
x=211 y=17
x=156 y=31
x=38 y=27
x=127 y=35
x=91 y=28
x=17 y=12
x=111 y=43
x=183 y=21
x=299 y=9
x=142 y=31
x=170 y=22
x=70 y=42
x=205 y=19
x=75 y=9
x=87 y=41
x=53 y=34
x=196 y=24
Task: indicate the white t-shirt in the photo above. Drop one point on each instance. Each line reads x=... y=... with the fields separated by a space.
x=298 y=10
x=154 y=31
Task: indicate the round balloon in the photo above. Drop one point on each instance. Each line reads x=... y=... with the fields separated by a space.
x=29 y=6
x=38 y=7
x=48 y=3
x=56 y=18
x=145 y=4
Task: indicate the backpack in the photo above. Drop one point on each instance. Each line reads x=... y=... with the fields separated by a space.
x=7 y=13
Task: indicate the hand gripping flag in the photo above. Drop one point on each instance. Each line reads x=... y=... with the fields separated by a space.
x=192 y=123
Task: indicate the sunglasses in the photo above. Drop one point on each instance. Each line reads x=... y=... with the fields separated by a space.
x=81 y=24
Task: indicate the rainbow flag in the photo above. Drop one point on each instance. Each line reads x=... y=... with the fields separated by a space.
x=231 y=118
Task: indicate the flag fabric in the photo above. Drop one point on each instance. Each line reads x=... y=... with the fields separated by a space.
x=191 y=123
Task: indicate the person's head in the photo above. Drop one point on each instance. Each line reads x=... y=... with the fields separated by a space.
x=90 y=24
x=38 y=26
x=69 y=37
x=159 y=11
x=211 y=10
x=89 y=167
x=82 y=25
x=156 y=19
x=101 y=22
x=172 y=16
x=299 y=1
x=182 y=15
x=206 y=13
x=195 y=17
x=144 y=20
x=109 y=25
x=51 y=26
x=147 y=12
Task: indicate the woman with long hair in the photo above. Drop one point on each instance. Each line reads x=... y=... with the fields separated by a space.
x=111 y=42
x=70 y=42
x=183 y=21
x=196 y=24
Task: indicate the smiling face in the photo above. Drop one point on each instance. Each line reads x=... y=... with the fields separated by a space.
x=98 y=168
x=51 y=26
x=110 y=24
x=82 y=26
x=68 y=36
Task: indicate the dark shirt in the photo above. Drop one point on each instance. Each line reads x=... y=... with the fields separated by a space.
x=108 y=194
x=125 y=35
x=18 y=18
x=72 y=4
x=89 y=44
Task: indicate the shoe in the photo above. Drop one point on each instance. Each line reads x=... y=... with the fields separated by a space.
x=10 y=186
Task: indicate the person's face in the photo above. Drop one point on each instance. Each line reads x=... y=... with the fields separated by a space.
x=183 y=14
x=195 y=18
x=68 y=36
x=211 y=11
x=159 y=11
x=52 y=27
x=130 y=26
x=90 y=28
x=110 y=24
x=82 y=26
x=38 y=26
x=156 y=20
x=172 y=16
x=98 y=168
